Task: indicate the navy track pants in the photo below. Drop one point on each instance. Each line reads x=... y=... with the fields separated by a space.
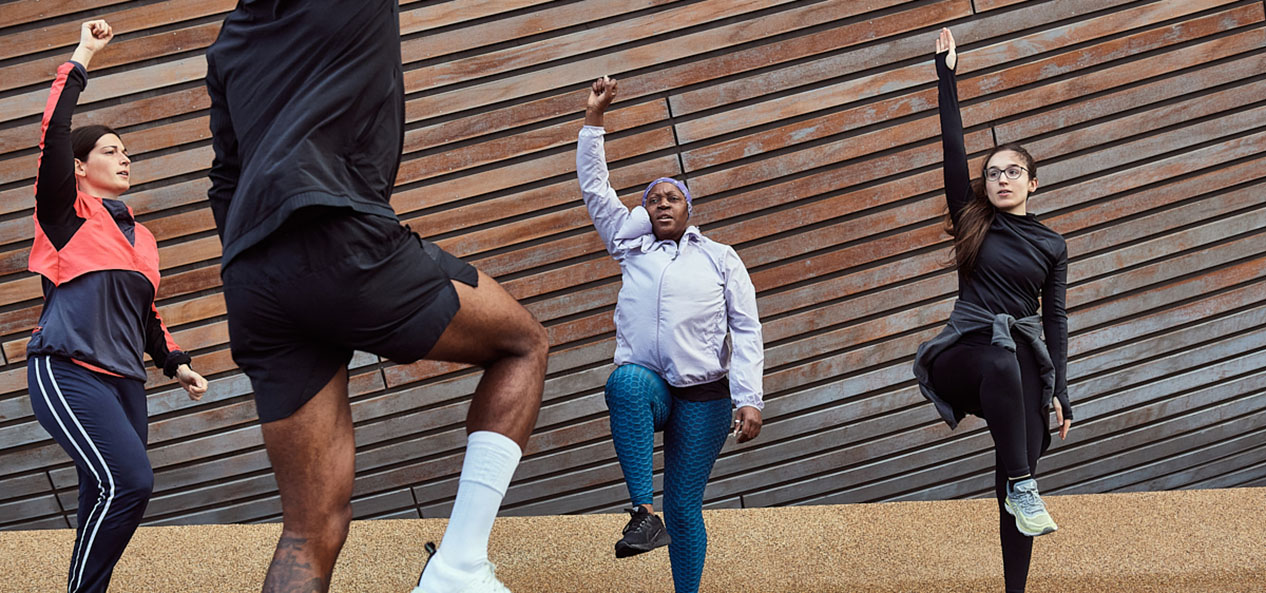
x=101 y=422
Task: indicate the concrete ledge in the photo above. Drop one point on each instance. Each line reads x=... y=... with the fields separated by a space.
x=1181 y=541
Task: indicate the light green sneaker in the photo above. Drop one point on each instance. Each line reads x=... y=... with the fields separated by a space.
x=1024 y=503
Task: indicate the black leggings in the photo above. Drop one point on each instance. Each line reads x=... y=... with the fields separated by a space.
x=1005 y=389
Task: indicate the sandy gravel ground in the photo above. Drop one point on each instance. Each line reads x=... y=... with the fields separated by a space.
x=1186 y=541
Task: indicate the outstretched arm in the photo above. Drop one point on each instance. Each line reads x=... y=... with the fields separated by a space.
x=55 y=189
x=605 y=208
x=957 y=179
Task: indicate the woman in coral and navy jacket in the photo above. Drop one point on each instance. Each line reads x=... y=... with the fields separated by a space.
x=85 y=369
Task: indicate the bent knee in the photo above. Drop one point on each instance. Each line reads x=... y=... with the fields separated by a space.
x=529 y=340
x=136 y=484
x=628 y=373
x=632 y=382
x=537 y=340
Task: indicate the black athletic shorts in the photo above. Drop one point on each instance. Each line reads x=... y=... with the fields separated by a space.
x=328 y=282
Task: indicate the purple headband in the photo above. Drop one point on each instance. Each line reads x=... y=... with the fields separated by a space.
x=679 y=185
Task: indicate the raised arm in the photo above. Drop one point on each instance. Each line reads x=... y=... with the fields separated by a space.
x=226 y=166
x=55 y=189
x=1055 y=327
x=957 y=179
x=609 y=214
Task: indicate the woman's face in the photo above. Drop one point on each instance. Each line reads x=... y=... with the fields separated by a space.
x=107 y=172
x=669 y=211
x=1007 y=193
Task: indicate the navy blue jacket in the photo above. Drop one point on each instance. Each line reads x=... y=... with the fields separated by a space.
x=99 y=266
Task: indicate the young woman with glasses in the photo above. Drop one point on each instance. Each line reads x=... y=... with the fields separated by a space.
x=991 y=359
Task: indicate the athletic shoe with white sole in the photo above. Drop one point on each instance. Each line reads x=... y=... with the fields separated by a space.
x=483 y=580
x=1024 y=503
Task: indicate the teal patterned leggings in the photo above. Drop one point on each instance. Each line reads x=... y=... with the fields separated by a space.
x=694 y=432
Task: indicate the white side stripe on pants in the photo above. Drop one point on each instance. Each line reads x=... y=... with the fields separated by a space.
x=85 y=529
x=49 y=404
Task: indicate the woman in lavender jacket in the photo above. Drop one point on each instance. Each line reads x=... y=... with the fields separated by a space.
x=676 y=368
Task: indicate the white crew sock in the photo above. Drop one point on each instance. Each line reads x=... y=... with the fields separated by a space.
x=491 y=459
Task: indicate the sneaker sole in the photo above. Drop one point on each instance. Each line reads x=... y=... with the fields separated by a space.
x=1021 y=529
x=625 y=550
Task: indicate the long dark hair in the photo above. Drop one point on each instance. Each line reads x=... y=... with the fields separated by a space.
x=83 y=139
x=975 y=218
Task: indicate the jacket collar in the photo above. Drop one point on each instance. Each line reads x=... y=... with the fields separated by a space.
x=692 y=235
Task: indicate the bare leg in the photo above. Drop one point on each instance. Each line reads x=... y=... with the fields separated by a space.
x=313 y=450
x=494 y=331
x=313 y=454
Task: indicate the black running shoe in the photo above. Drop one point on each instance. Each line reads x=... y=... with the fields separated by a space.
x=644 y=533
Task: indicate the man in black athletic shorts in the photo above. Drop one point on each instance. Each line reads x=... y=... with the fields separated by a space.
x=307 y=119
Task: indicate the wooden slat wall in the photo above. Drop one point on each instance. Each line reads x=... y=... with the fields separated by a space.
x=808 y=131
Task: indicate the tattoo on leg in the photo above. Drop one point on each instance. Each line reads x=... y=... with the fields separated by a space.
x=291 y=570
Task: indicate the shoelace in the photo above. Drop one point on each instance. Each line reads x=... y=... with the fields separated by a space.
x=1028 y=500
x=640 y=524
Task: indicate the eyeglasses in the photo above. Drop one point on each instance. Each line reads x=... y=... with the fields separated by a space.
x=670 y=197
x=1013 y=172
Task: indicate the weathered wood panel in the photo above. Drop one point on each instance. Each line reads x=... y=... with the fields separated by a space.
x=808 y=132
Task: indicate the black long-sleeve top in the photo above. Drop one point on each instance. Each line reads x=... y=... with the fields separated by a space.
x=99 y=266
x=307 y=109
x=1021 y=264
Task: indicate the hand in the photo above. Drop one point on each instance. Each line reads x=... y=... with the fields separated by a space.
x=194 y=383
x=749 y=423
x=601 y=93
x=1064 y=425
x=93 y=35
x=945 y=43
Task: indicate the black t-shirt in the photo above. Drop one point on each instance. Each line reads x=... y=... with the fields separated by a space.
x=1021 y=264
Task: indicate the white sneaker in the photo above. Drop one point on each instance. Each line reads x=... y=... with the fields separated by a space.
x=483 y=580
